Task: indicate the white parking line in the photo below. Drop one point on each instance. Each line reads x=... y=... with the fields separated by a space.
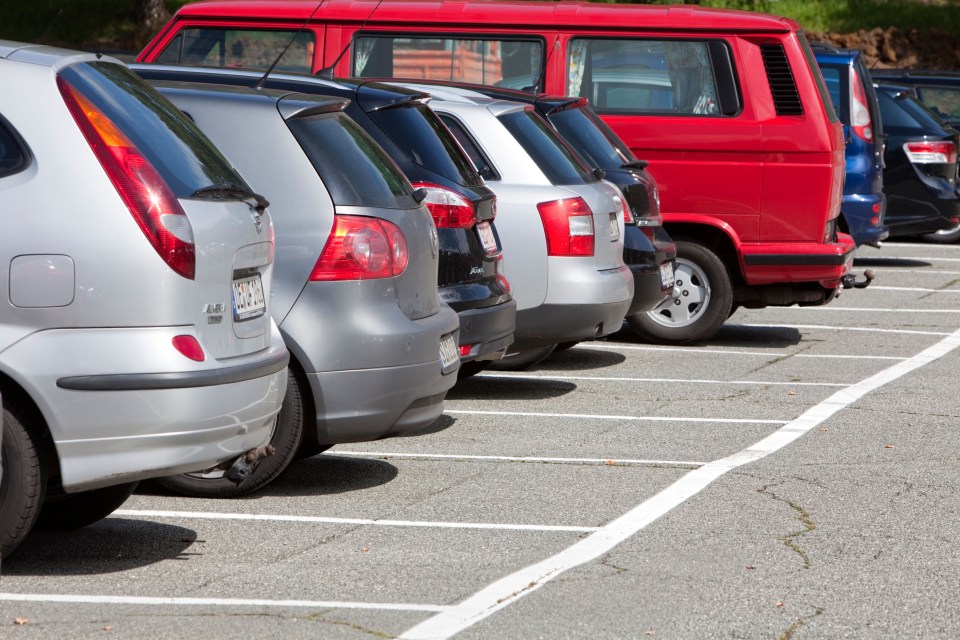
x=613 y=346
x=217 y=602
x=829 y=307
x=619 y=462
x=587 y=416
x=548 y=376
x=909 y=332
x=511 y=588
x=917 y=289
x=212 y=515
x=925 y=258
x=923 y=271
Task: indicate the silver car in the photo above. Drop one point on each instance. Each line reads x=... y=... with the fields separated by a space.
x=373 y=349
x=135 y=335
x=560 y=225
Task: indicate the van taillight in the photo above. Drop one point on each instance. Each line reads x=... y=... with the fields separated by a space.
x=361 y=248
x=146 y=194
x=860 y=113
x=448 y=208
x=932 y=152
x=568 y=225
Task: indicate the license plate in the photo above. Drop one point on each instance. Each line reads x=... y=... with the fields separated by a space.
x=449 y=353
x=248 y=301
x=614 y=226
x=666 y=275
x=486 y=237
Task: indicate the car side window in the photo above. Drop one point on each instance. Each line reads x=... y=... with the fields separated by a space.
x=945 y=102
x=645 y=76
x=13 y=155
x=502 y=62
x=480 y=161
x=832 y=77
x=241 y=48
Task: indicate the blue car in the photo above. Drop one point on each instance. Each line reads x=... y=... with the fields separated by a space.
x=851 y=90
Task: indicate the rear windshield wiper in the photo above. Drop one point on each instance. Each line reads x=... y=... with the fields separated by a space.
x=231 y=191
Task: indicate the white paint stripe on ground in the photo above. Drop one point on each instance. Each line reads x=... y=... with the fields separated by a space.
x=511 y=588
x=613 y=346
x=923 y=271
x=558 y=376
x=587 y=416
x=212 y=515
x=828 y=307
x=215 y=602
x=924 y=258
x=917 y=289
x=620 y=462
x=908 y=332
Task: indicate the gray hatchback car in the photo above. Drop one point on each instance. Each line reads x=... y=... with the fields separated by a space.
x=135 y=335
x=373 y=349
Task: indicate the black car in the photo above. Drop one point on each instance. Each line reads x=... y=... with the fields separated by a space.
x=940 y=91
x=920 y=176
x=463 y=206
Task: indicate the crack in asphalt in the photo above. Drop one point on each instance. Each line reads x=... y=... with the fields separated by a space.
x=791 y=540
x=798 y=624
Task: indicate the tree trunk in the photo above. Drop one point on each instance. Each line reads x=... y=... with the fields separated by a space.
x=151 y=16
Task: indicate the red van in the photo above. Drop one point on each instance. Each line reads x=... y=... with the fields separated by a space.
x=728 y=107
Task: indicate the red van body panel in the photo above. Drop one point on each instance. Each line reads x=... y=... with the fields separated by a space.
x=771 y=183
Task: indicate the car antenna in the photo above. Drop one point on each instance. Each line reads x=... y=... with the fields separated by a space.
x=535 y=87
x=327 y=72
x=263 y=79
x=46 y=32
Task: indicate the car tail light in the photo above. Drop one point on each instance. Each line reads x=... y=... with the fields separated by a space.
x=361 y=248
x=501 y=279
x=465 y=350
x=449 y=209
x=627 y=214
x=146 y=194
x=188 y=346
x=859 y=111
x=568 y=225
x=933 y=152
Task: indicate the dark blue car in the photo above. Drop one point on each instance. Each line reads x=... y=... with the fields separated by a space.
x=851 y=90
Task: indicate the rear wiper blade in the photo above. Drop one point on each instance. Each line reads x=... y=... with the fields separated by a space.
x=635 y=164
x=231 y=191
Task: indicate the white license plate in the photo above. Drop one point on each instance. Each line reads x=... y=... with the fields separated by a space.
x=614 y=226
x=248 y=301
x=449 y=353
x=486 y=237
x=666 y=275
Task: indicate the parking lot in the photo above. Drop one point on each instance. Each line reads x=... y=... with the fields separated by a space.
x=794 y=477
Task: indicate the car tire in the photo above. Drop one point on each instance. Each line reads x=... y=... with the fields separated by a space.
x=286 y=440
x=23 y=484
x=71 y=511
x=944 y=236
x=703 y=303
x=523 y=359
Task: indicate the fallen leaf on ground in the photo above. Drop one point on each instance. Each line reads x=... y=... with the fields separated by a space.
x=888 y=446
x=21 y=621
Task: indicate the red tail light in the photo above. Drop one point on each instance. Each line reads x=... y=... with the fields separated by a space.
x=939 y=152
x=188 y=346
x=627 y=214
x=361 y=248
x=146 y=194
x=860 y=113
x=568 y=225
x=448 y=208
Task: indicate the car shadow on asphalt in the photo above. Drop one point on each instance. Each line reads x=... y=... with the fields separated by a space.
x=108 y=546
x=890 y=262
x=324 y=475
x=490 y=386
x=730 y=334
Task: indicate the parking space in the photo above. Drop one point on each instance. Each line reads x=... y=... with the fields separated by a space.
x=600 y=483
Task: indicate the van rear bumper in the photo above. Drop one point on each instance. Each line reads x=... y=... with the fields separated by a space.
x=796 y=262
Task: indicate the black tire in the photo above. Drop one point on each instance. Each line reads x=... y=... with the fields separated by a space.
x=23 y=484
x=71 y=511
x=310 y=448
x=704 y=303
x=520 y=360
x=563 y=346
x=286 y=440
x=472 y=368
x=944 y=236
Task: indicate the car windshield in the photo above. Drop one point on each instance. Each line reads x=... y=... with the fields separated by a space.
x=176 y=148
x=354 y=168
x=555 y=158
x=417 y=130
x=587 y=136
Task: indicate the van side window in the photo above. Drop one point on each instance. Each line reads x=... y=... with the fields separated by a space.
x=685 y=77
x=241 y=48
x=512 y=63
x=13 y=157
x=480 y=161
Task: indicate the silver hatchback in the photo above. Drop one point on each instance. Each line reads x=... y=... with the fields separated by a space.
x=135 y=335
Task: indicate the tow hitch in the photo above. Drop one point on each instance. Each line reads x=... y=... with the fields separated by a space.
x=243 y=466
x=850 y=280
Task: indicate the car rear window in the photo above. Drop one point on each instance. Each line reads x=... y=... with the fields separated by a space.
x=419 y=133
x=557 y=160
x=811 y=61
x=170 y=141
x=586 y=136
x=241 y=48
x=13 y=158
x=479 y=159
x=903 y=109
x=354 y=168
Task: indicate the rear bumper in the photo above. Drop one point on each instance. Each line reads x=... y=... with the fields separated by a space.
x=359 y=406
x=644 y=257
x=553 y=324
x=488 y=330
x=795 y=262
x=858 y=210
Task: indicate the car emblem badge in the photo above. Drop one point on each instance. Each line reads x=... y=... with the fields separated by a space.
x=257 y=220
